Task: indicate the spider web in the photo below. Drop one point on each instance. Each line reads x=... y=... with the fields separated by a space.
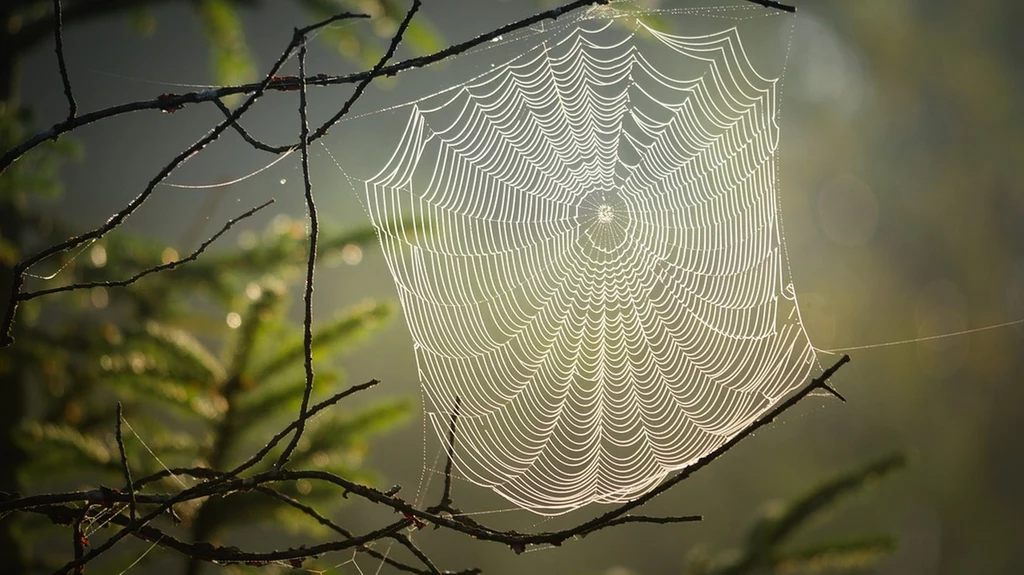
x=600 y=280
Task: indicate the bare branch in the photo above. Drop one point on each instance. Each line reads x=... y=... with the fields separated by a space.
x=169 y=102
x=776 y=5
x=652 y=520
x=259 y=455
x=304 y=141
x=78 y=540
x=403 y=540
x=374 y=73
x=18 y=272
x=58 y=35
x=446 y=496
x=71 y=508
x=246 y=136
x=320 y=519
x=227 y=483
x=314 y=232
x=125 y=470
x=25 y=296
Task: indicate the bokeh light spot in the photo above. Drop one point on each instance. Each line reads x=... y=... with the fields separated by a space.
x=352 y=254
x=98 y=255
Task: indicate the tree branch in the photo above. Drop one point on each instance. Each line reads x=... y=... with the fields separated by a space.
x=222 y=484
x=304 y=141
x=26 y=296
x=314 y=232
x=133 y=504
x=58 y=35
x=214 y=482
x=169 y=102
x=775 y=5
x=119 y=217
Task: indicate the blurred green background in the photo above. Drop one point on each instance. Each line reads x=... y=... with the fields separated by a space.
x=903 y=203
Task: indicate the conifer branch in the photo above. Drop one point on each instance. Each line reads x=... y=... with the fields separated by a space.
x=213 y=482
x=26 y=296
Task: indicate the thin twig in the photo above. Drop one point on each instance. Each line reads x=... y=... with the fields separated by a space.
x=445 y=507
x=446 y=496
x=102 y=496
x=256 y=457
x=246 y=136
x=25 y=296
x=125 y=470
x=404 y=541
x=58 y=36
x=314 y=229
x=78 y=539
x=374 y=72
x=653 y=520
x=615 y=517
x=167 y=102
x=314 y=233
x=775 y=5
x=259 y=455
x=356 y=94
x=18 y=272
x=319 y=518
x=305 y=509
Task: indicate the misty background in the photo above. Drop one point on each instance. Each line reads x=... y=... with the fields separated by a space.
x=902 y=204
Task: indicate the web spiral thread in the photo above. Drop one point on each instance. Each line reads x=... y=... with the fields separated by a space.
x=602 y=283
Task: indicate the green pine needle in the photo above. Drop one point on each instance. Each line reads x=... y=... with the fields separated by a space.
x=332 y=434
x=232 y=61
x=184 y=350
x=185 y=398
x=352 y=326
x=269 y=400
x=771 y=531
x=836 y=556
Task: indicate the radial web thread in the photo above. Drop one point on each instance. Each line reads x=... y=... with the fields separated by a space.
x=600 y=280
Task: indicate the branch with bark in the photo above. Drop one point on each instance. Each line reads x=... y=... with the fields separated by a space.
x=134 y=507
x=63 y=507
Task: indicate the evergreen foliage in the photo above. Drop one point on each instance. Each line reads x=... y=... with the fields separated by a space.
x=765 y=550
x=196 y=392
x=196 y=389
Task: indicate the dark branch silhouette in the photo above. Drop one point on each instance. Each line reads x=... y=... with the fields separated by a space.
x=26 y=296
x=133 y=503
x=307 y=321
x=440 y=516
x=174 y=102
x=58 y=36
x=146 y=508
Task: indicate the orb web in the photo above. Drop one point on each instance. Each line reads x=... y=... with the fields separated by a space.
x=602 y=286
